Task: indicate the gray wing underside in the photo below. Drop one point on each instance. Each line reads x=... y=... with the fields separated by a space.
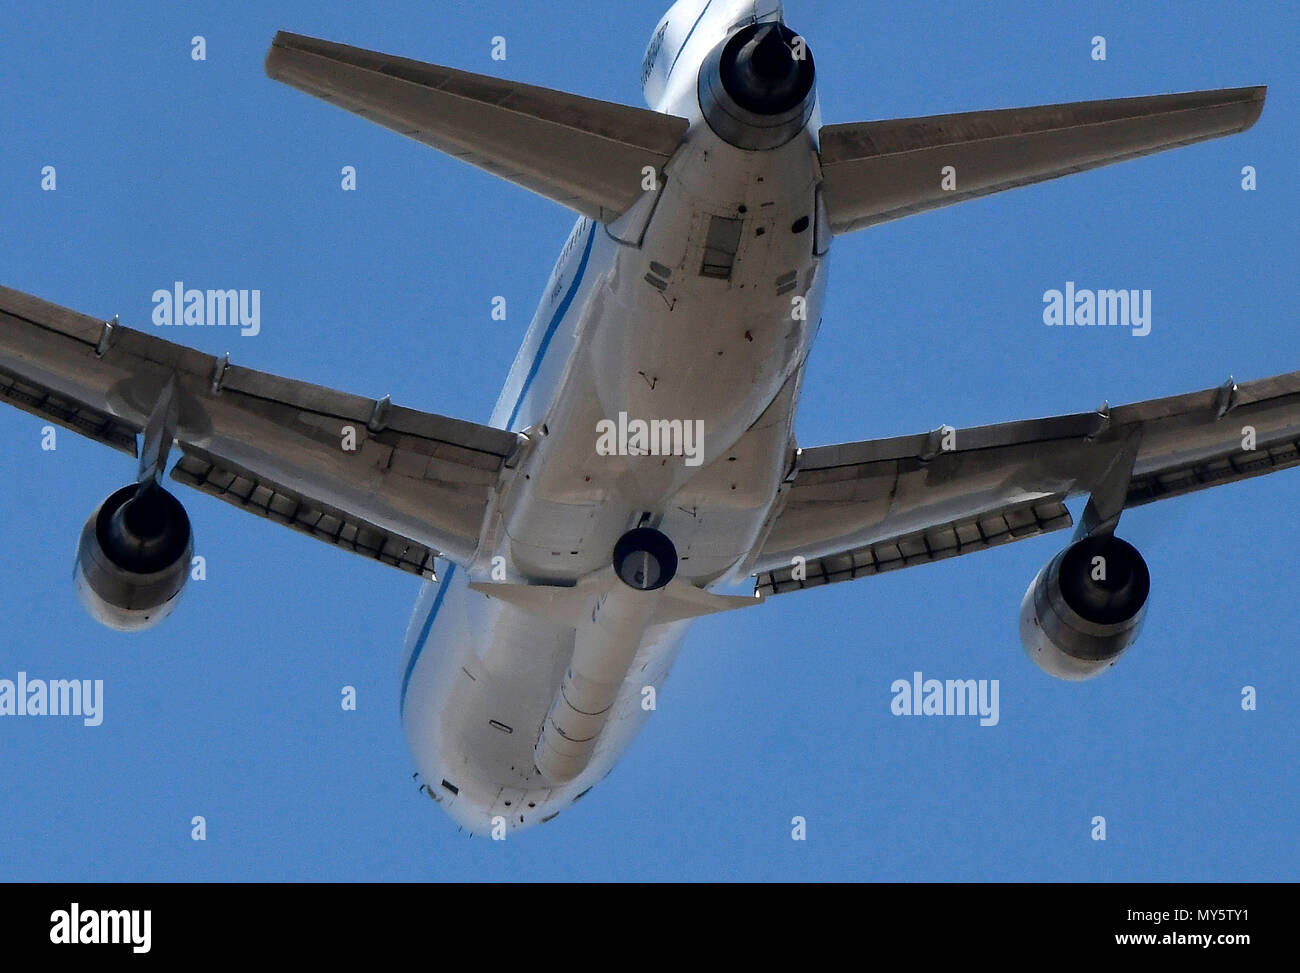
x=415 y=486
x=860 y=509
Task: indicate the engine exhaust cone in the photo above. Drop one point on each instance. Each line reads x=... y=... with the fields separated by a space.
x=757 y=88
x=1104 y=579
x=761 y=72
x=143 y=528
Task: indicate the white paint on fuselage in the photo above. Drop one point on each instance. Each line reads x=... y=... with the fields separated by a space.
x=479 y=675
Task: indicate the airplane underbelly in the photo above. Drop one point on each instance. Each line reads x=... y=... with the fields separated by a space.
x=478 y=680
x=656 y=392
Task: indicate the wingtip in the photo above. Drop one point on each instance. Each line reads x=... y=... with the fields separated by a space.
x=281 y=43
x=277 y=45
x=1258 y=94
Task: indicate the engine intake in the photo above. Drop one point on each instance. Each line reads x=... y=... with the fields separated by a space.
x=756 y=88
x=1085 y=608
x=645 y=559
x=133 y=558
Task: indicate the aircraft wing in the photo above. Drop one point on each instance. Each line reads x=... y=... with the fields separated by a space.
x=585 y=154
x=413 y=486
x=860 y=509
x=875 y=172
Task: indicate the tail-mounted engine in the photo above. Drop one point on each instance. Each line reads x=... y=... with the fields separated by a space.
x=757 y=88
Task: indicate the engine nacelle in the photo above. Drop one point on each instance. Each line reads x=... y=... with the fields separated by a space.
x=756 y=88
x=1085 y=607
x=134 y=558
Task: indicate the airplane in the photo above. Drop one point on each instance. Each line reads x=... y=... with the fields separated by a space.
x=640 y=461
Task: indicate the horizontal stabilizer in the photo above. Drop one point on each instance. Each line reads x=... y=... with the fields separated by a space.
x=585 y=154
x=880 y=171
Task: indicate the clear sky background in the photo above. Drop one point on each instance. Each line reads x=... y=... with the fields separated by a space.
x=212 y=174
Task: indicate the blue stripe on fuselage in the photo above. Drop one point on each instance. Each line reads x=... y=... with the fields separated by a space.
x=424 y=636
x=689 y=35
x=551 y=328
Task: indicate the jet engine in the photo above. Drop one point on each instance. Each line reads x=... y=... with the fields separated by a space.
x=756 y=88
x=1085 y=607
x=644 y=559
x=134 y=557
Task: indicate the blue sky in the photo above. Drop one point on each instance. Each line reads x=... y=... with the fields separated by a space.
x=209 y=173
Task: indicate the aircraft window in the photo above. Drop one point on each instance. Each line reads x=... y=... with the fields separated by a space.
x=450 y=786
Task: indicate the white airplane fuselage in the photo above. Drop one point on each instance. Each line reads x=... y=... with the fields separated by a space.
x=628 y=326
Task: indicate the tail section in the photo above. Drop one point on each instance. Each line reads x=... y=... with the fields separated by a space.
x=585 y=154
x=880 y=171
x=705 y=22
